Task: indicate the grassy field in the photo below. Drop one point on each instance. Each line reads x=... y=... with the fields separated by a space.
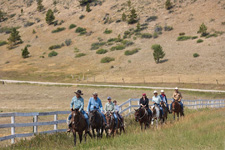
x=200 y=129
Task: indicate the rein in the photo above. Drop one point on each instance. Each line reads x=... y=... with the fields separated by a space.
x=143 y=115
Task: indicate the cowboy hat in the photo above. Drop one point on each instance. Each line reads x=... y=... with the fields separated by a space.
x=79 y=92
x=162 y=91
x=176 y=88
x=155 y=92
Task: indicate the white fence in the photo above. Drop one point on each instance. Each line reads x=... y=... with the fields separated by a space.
x=127 y=106
x=126 y=109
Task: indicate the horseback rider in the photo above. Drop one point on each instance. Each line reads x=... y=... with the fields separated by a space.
x=109 y=107
x=177 y=97
x=144 y=103
x=156 y=100
x=78 y=103
x=164 y=99
x=117 y=109
x=96 y=103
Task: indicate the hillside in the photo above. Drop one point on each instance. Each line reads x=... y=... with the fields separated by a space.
x=178 y=63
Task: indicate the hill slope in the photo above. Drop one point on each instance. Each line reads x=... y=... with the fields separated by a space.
x=185 y=16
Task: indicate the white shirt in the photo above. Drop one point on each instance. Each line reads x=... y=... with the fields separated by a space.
x=116 y=108
x=156 y=99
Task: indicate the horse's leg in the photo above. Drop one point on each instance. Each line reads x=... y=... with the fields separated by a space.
x=93 y=132
x=74 y=136
x=157 y=123
x=178 y=116
x=141 y=126
x=80 y=136
x=98 y=132
x=152 y=121
x=173 y=115
x=102 y=129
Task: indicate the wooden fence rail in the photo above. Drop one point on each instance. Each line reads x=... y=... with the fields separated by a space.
x=125 y=109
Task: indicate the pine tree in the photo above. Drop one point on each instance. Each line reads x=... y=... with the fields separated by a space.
x=2 y=15
x=132 y=17
x=203 y=29
x=88 y=9
x=25 y=52
x=124 y=17
x=158 y=52
x=138 y=27
x=168 y=4
x=40 y=7
x=129 y=4
x=49 y=17
x=14 y=37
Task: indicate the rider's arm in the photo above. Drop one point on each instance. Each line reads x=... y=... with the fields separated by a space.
x=100 y=105
x=106 y=107
x=71 y=104
x=82 y=105
x=89 y=105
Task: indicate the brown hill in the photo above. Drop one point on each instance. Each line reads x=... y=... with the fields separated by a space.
x=178 y=65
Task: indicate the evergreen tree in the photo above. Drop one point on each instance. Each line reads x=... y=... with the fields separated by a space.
x=2 y=15
x=158 y=52
x=203 y=29
x=40 y=7
x=129 y=4
x=88 y=9
x=132 y=17
x=138 y=27
x=49 y=17
x=14 y=37
x=25 y=52
x=168 y=4
x=124 y=17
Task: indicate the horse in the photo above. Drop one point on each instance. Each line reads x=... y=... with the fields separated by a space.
x=141 y=116
x=79 y=124
x=176 y=108
x=96 y=123
x=165 y=111
x=155 y=114
x=111 y=124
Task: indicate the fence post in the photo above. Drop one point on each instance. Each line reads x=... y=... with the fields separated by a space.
x=56 y=119
x=35 y=128
x=195 y=104
x=12 y=129
x=129 y=105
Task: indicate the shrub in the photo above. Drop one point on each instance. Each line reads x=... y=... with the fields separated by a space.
x=72 y=26
x=88 y=9
x=151 y=18
x=158 y=52
x=203 y=30
x=223 y=23
x=28 y=23
x=124 y=17
x=33 y=31
x=146 y=35
x=81 y=16
x=14 y=37
x=211 y=35
x=168 y=4
x=53 y=53
x=25 y=52
x=3 y=43
x=54 y=47
x=81 y=30
x=107 y=59
x=158 y=29
x=80 y=55
x=58 y=29
x=196 y=55
x=182 y=33
x=49 y=17
x=101 y=51
x=112 y=40
x=68 y=42
x=168 y=28
x=131 y=52
x=118 y=47
x=132 y=17
x=107 y=31
x=199 y=41
x=127 y=43
x=183 y=38
x=97 y=45
x=194 y=37
x=40 y=7
x=155 y=35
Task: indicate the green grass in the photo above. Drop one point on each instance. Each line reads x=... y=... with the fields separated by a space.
x=81 y=30
x=107 y=59
x=59 y=29
x=196 y=55
x=80 y=55
x=72 y=26
x=101 y=51
x=199 y=129
x=97 y=45
x=199 y=41
x=118 y=47
x=107 y=31
x=52 y=54
x=131 y=52
x=146 y=35
x=54 y=47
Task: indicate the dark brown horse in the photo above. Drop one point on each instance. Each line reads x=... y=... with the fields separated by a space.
x=96 y=123
x=111 y=124
x=165 y=112
x=79 y=124
x=176 y=108
x=141 y=116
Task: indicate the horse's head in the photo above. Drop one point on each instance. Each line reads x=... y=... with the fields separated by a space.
x=162 y=103
x=137 y=114
x=108 y=117
x=152 y=108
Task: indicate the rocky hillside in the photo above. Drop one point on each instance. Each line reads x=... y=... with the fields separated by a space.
x=81 y=39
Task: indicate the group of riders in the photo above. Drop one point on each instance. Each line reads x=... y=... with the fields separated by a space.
x=112 y=107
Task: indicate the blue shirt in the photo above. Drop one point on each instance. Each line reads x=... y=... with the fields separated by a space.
x=94 y=103
x=78 y=103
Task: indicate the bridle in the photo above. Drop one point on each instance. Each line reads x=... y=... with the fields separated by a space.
x=143 y=115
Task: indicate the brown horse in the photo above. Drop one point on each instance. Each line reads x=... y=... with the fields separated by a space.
x=79 y=124
x=141 y=116
x=165 y=111
x=111 y=124
x=176 y=108
x=96 y=123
